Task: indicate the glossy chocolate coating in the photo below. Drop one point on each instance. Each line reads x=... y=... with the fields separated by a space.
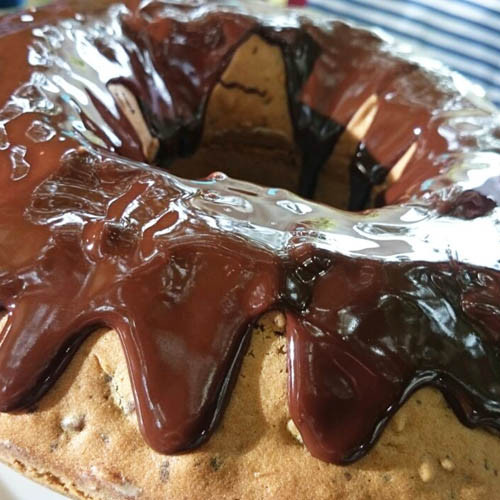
x=378 y=303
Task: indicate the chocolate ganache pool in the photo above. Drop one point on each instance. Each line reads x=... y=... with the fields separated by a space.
x=378 y=303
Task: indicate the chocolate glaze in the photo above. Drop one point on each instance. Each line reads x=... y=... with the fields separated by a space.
x=357 y=355
x=377 y=303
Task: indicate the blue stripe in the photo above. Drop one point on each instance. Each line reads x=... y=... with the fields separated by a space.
x=331 y=10
x=443 y=29
x=446 y=13
x=493 y=12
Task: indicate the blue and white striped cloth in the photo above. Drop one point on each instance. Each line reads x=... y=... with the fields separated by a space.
x=464 y=34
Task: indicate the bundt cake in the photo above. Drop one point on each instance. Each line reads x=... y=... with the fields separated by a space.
x=260 y=341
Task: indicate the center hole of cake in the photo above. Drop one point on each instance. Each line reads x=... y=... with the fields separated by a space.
x=347 y=178
x=255 y=128
x=252 y=129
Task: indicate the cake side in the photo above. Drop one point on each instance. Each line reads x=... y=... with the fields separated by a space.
x=82 y=439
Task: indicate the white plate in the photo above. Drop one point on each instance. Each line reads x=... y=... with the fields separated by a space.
x=14 y=486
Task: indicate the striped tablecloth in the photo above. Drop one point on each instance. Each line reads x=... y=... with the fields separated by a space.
x=464 y=34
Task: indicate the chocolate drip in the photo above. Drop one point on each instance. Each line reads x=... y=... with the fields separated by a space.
x=373 y=334
x=108 y=270
x=377 y=304
x=365 y=172
x=315 y=133
x=189 y=59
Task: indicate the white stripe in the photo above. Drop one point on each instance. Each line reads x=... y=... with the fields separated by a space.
x=383 y=20
x=475 y=14
x=436 y=36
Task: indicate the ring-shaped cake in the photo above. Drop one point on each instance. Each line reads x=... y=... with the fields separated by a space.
x=103 y=104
